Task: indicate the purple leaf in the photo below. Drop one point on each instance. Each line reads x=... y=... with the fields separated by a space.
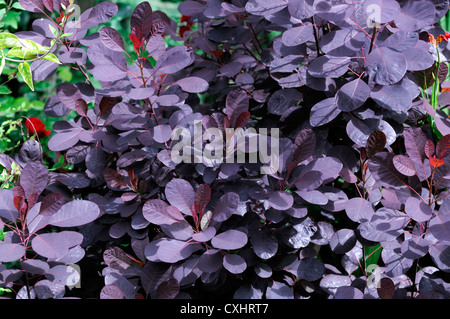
x=347 y=292
x=191 y=8
x=111 y=291
x=392 y=97
x=335 y=11
x=443 y=146
x=108 y=65
x=96 y=160
x=211 y=261
x=155 y=211
x=341 y=43
x=51 y=204
x=170 y=250
x=46 y=289
x=281 y=200
x=352 y=95
x=7 y=208
x=397 y=265
x=35 y=266
x=359 y=209
x=265 y=244
x=313 y=196
x=230 y=239
x=174 y=60
x=32 y=5
x=279 y=290
x=265 y=7
x=43 y=69
x=142 y=18
x=193 y=84
x=334 y=67
x=63 y=274
x=226 y=206
x=415 y=15
x=440 y=227
x=180 y=194
x=65 y=139
x=48 y=5
x=385 y=10
x=383 y=170
x=401 y=41
x=168 y=289
x=415 y=140
x=68 y=94
x=281 y=100
x=55 y=245
x=359 y=131
x=112 y=39
x=418 y=59
x=386 y=66
x=310 y=269
x=304 y=145
x=75 y=213
x=404 y=165
x=414 y=247
x=343 y=241
x=11 y=252
x=376 y=142
x=234 y=263
x=324 y=112
x=34 y=178
x=301 y=9
x=237 y=102
x=116 y=258
x=162 y=133
x=204 y=235
x=298 y=35
x=386 y=289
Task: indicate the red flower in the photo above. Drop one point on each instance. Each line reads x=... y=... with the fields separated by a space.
x=34 y=125
x=185 y=18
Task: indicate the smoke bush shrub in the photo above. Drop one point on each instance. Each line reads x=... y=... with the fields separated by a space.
x=352 y=203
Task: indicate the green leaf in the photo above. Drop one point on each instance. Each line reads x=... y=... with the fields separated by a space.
x=52 y=57
x=53 y=30
x=25 y=71
x=8 y=40
x=22 y=53
x=372 y=254
x=2 y=64
x=11 y=20
x=4 y=90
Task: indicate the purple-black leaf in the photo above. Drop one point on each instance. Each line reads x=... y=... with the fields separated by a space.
x=51 y=204
x=180 y=194
x=11 y=252
x=112 y=39
x=230 y=239
x=281 y=200
x=385 y=10
x=34 y=178
x=359 y=209
x=75 y=213
x=142 y=19
x=234 y=263
x=265 y=244
x=55 y=245
x=386 y=66
x=414 y=15
x=352 y=95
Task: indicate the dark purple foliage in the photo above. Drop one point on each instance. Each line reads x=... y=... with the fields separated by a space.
x=356 y=207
